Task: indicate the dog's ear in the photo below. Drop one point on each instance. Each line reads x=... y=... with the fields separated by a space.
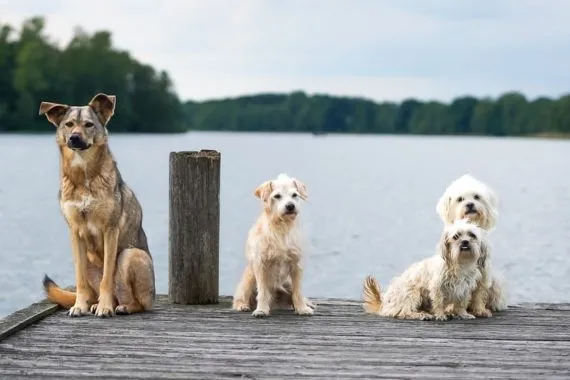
x=443 y=248
x=104 y=106
x=492 y=203
x=54 y=112
x=301 y=188
x=443 y=208
x=264 y=190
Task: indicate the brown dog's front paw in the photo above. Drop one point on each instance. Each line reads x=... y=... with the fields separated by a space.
x=103 y=311
x=79 y=309
x=76 y=311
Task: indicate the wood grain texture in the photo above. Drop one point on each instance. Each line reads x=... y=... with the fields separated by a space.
x=23 y=318
x=194 y=233
x=339 y=341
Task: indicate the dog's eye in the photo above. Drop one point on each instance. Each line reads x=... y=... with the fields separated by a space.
x=277 y=196
x=69 y=124
x=88 y=124
x=294 y=195
x=476 y=196
x=456 y=236
x=472 y=235
x=460 y=199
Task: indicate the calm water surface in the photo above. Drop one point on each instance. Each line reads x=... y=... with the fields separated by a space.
x=371 y=206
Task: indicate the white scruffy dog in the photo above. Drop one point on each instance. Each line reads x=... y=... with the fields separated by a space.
x=438 y=287
x=273 y=273
x=467 y=197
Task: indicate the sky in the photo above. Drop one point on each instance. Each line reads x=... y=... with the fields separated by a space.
x=385 y=50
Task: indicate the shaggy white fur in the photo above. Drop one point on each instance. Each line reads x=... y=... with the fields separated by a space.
x=273 y=273
x=438 y=287
x=467 y=197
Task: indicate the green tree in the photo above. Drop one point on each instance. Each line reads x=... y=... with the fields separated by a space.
x=33 y=69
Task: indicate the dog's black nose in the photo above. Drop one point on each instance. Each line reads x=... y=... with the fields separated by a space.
x=75 y=138
x=464 y=244
x=470 y=205
x=290 y=206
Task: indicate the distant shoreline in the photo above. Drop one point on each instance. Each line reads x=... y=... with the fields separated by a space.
x=542 y=135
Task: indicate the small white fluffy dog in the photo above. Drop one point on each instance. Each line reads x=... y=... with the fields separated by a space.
x=273 y=273
x=438 y=287
x=467 y=197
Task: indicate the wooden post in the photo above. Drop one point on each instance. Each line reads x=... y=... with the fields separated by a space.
x=194 y=231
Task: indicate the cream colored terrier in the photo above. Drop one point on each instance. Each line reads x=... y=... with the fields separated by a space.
x=273 y=273
x=438 y=287
x=467 y=197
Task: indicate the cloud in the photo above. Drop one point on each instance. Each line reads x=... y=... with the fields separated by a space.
x=431 y=49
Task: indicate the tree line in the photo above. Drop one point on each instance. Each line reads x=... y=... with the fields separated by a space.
x=33 y=68
x=510 y=114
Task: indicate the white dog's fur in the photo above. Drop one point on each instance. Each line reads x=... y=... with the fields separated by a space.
x=467 y=197
x=438 y=287
x=273 y=273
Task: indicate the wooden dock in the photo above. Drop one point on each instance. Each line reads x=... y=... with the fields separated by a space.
x=339 y=341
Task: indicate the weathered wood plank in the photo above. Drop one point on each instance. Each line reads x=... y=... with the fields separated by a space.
x=21 y=319
x=339 y=341
x=194 y=233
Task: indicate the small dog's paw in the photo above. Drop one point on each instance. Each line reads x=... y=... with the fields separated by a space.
x=103 y=311
x=77 y=311
x=241 y=306
x=310 y=304
x=122 y=310
x=258 y=313
x=465 y=316
x=483 y=313
x=304 y=310
x=425 y=317
x=441 y=317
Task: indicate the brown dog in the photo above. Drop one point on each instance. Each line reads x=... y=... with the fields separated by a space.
x=113 y=266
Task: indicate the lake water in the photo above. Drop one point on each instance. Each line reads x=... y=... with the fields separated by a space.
x=371 y=206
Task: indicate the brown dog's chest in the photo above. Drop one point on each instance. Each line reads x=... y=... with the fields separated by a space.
x=87 y=211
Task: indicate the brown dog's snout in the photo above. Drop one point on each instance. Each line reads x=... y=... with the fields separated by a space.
x=75 y=138
x=76 y=141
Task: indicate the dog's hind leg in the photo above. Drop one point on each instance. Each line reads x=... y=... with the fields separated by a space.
x=284 y=300
x=411 y=304
x=244 y=295
x=496 y=295
x=134 y=282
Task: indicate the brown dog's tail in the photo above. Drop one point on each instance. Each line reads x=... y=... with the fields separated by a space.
x=372 y=296
x=57 y=295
